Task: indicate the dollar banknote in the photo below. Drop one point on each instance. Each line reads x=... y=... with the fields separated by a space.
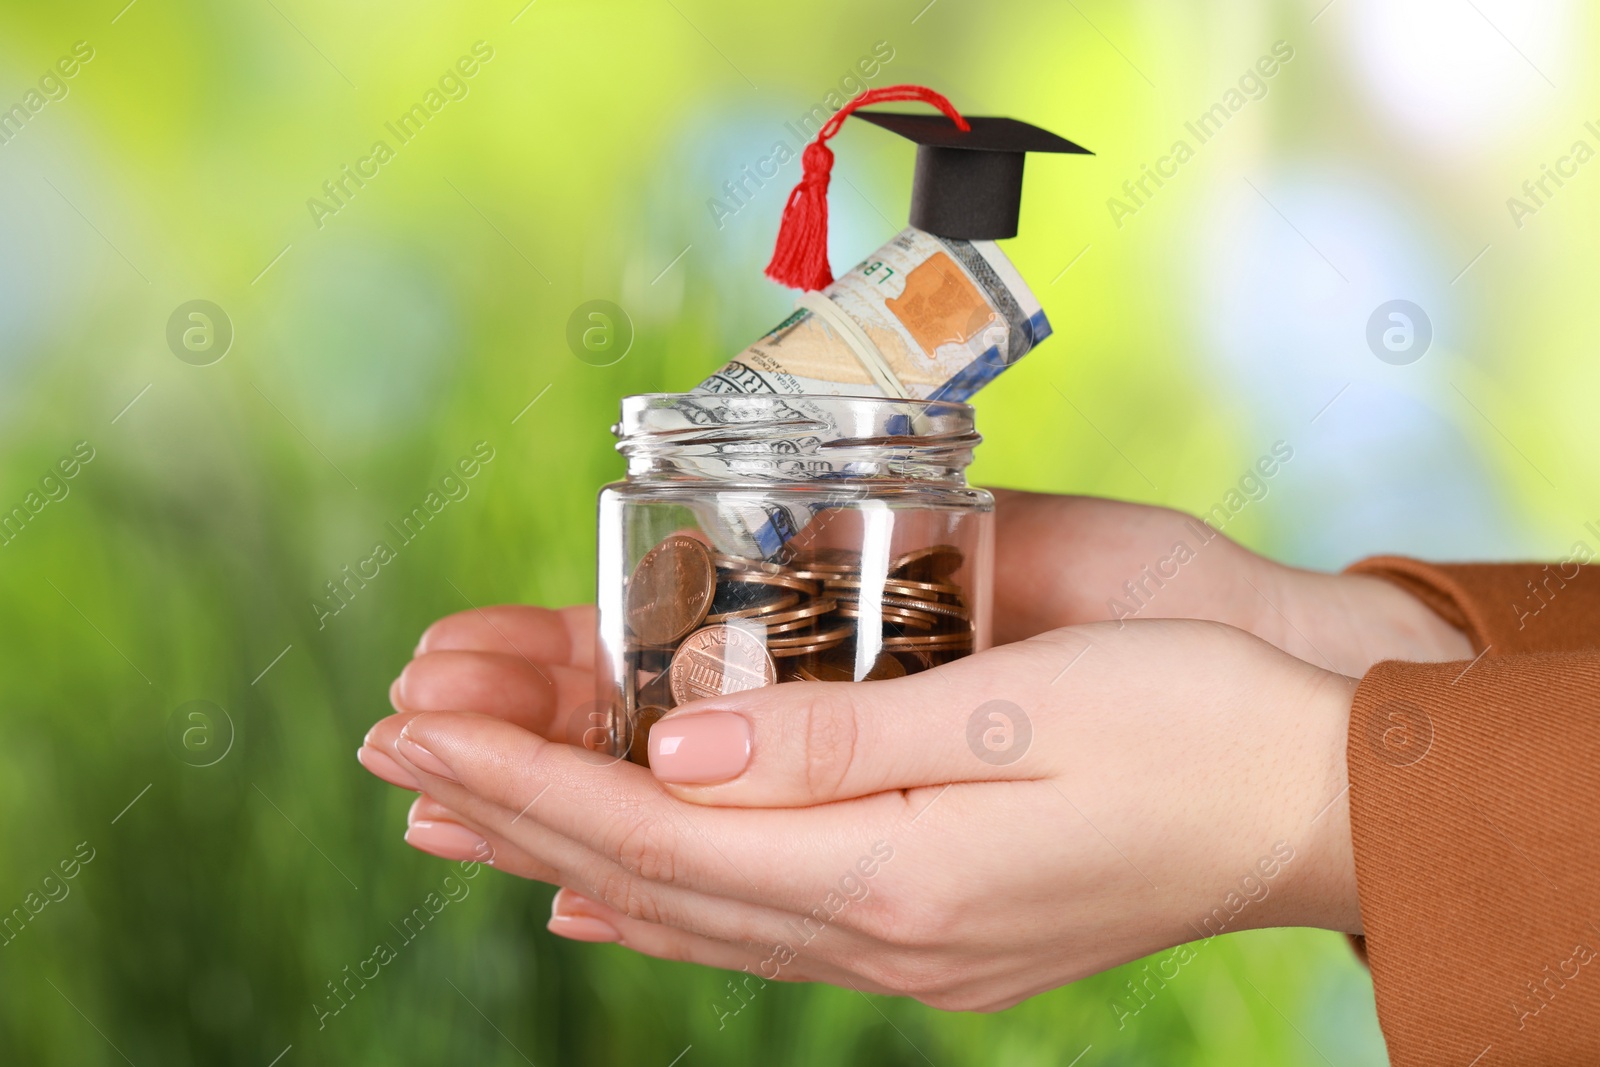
x=922 y=318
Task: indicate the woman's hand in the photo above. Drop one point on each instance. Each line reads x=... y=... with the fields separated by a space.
x=1062 y=560
x=969 y=836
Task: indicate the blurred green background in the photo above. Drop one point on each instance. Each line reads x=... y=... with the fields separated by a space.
x=376 y=344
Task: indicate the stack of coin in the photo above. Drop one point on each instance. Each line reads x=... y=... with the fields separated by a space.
x=704 y=624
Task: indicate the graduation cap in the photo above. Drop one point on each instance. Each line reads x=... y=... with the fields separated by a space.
x=967 y=185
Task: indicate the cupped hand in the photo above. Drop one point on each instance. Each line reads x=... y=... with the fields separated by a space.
x=969 y=836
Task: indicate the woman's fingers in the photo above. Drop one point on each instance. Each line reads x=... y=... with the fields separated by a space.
x=440 y=831
x=538 y=697
x=543 y=635
x=523 y=847
x=780 y=859
x=809 y=743
x=385 y=766
x=575 y=916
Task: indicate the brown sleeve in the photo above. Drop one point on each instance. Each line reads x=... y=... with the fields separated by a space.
x=1474 y=790
x=1504 y=607
x=1474 y=796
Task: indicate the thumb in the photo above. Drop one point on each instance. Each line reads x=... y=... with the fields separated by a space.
x=804 y=743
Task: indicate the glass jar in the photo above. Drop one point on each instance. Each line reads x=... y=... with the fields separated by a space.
x=761 y=539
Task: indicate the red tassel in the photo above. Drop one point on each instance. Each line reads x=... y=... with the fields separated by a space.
x=800 y=259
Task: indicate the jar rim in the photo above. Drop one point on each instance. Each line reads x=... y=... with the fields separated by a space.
x=795 y=435
x=649 y=414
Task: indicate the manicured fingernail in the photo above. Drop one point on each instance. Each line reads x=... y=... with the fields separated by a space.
x=384 y=767
x=568 y=903
x=582 y=928
x=697 y=749
x=424 y=760
x=452 y=841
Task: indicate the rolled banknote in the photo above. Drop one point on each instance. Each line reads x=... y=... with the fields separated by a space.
x=922 y=318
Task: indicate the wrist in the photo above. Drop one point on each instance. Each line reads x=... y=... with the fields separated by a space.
x=1323 y=893
x=1348 y=622
x=1294 y=811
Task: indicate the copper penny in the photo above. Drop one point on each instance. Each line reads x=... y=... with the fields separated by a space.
x=807 y=650
x=824 y=672
x=931 y=641
x=748 y=600
x=744 y=563
x=658 y=690
x=888 y=613
x=931 y=564
x=825 y=638
x=923 y=590
x=837 y=561
x=670 y=590
x=789 y=629
x=917 y=660
x=639 y=751
x=718 y=660
x=886 y=666
x=783 y=579
x=804 y=612
x=944 y=592
x=841 y=666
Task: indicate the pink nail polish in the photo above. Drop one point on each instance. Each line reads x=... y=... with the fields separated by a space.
x=452 y=841
x=568 y=903
x=582 y=928
x=423 y=760
x=697 y=749
x=384 y=767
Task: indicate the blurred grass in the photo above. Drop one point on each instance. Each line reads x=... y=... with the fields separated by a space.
x=430 y=310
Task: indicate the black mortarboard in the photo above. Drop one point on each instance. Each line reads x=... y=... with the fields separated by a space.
x=968 y=185
x=968 y=182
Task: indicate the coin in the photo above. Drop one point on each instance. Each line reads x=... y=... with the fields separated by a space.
x=928 y=641
x=658 y=690
x=916 y=660
x=639 y=751
x=790 y=629
x=782 y=579
x=839 y=665
x=930 y=564
x=823 y=638
x=743 y=600
x=884 y=667
x=949 y=611
x=651 y=658
x=945 y=592
x=825 y=672
x=947 y=617
x=718 y=660
x=810 y=644
x=785 y=653
x=744 y=563
x=670 y=590
x=830 y=561
x=886 y=614
x=781 y=619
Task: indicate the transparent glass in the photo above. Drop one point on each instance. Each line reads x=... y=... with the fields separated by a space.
x=764 y=539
